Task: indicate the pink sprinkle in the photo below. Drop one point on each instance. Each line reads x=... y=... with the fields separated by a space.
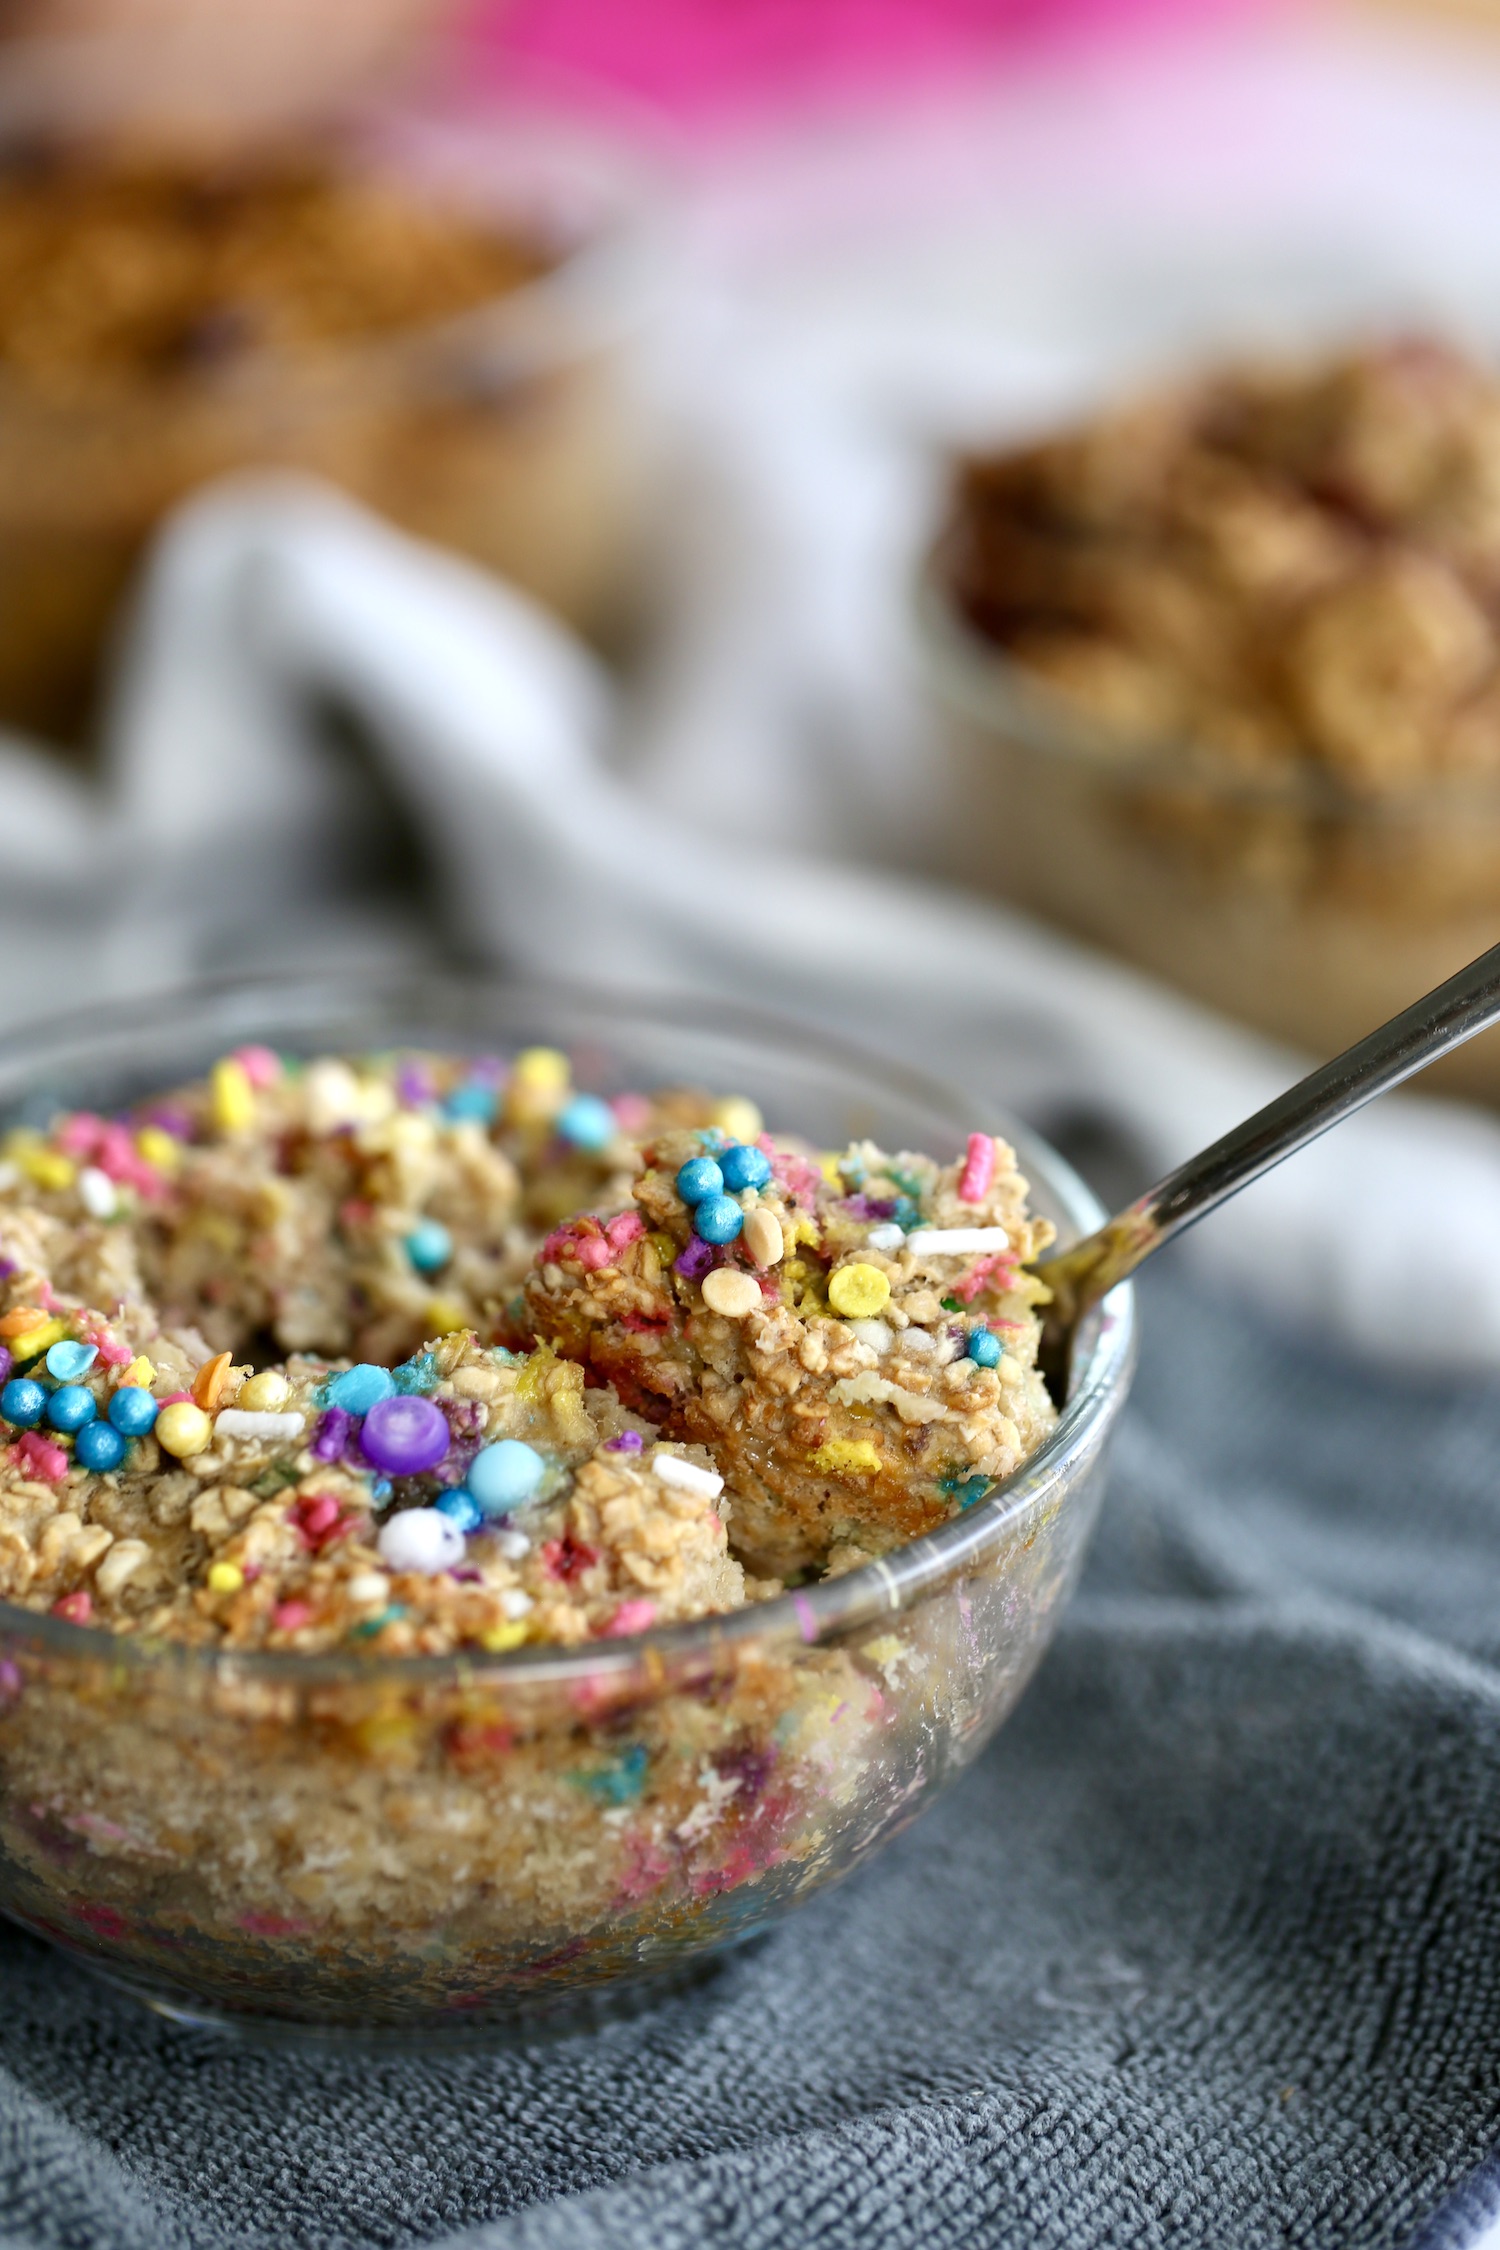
x=319 y=1514
x=111 y=1350
x=631 y=1617
x=974 y=1280
x=632 y=1112
x=629 y=1226
x=801 y=1179
x=290 y=1617
x=273 y=1926
x=979 y=1169
x=81 y=1133
x=593 y=1251
x=104 y=1921
x=76 y=1608
x=39 y=1457
x=178 y=1398
x=261 y=1065
x=807 y=1617
x=116 y=1154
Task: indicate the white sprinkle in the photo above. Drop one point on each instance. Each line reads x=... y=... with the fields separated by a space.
x=919 y=1341
x=876 y=1333
x=687 y=1475
x=332 y=1096
x=956 y=1242
x=370 y=1589
x=513 y=1545
x=514 y=1602
x=421 y=1540
x=234 y=1421
x=98 y=1192
x=763 y=1237
x=10 y=1176
x=731 y=1293
x=886 y=1237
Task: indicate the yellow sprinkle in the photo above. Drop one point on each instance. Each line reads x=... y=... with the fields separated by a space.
x=739 y=1118
x=225 y=1577
x=43 y=1165
x=859 y=1291
x=139 y=1375
x=828 y=1165
x=159 y=1149
x=501 y=1637
x=183 y=1429
x=847 y=1457
x=385 y=1734
x=33 y=1341
x=233 y=1096
x=444 y=1316
x=542 y=1070
x=264 y=1393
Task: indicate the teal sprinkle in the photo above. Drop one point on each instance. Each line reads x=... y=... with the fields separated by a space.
x=907 y=1212
x=908 y=1182
x=714 y=1137
x=374 y=1625
x=415 y=1375
x=622 y=1781
x=968 y=1491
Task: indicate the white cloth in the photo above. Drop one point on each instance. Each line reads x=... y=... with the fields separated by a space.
x=639 y=837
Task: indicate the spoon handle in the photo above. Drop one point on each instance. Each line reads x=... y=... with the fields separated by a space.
x=1444 y=1018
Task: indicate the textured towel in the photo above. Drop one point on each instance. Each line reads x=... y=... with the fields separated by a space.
x=1206 y=1949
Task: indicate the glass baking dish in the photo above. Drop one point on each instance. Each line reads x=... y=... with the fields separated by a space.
x=515 y=433
x=1306 y=911
x=428 y=1847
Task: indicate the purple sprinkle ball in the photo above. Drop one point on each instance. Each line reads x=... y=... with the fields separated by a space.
x=404 y=1436
x=6 y=1364
x=628 y=1441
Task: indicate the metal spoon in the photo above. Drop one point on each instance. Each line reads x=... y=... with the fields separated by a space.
x=1080 y=1276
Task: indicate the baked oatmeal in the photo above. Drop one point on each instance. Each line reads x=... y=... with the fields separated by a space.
x=476 y=1439
x=1220 y=679
x=1291 y=567
x=409 y=1356
x=166 y=320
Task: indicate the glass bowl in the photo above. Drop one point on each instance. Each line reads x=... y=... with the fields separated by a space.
x=1303 y=910
x=514 y=433
x=430 y=1847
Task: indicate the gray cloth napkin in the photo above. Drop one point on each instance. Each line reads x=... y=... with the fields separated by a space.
x=1204 y=1950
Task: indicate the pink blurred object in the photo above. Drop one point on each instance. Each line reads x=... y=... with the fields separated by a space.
x=692 y=57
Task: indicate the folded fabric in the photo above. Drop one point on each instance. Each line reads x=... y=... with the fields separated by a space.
x=237 y=830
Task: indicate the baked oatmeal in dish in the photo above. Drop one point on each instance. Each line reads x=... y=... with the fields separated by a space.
x=414 y=1356
x=1223 y=671
x=809 y=1360
x=405 y=315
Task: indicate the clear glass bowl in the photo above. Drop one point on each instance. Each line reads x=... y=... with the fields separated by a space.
x=438 y=1846
x=1305 y=911
x=515 y=433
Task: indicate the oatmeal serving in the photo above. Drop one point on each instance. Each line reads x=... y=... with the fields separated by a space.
x=1220 y=675
x=741 y=1354
x=364 y=1360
